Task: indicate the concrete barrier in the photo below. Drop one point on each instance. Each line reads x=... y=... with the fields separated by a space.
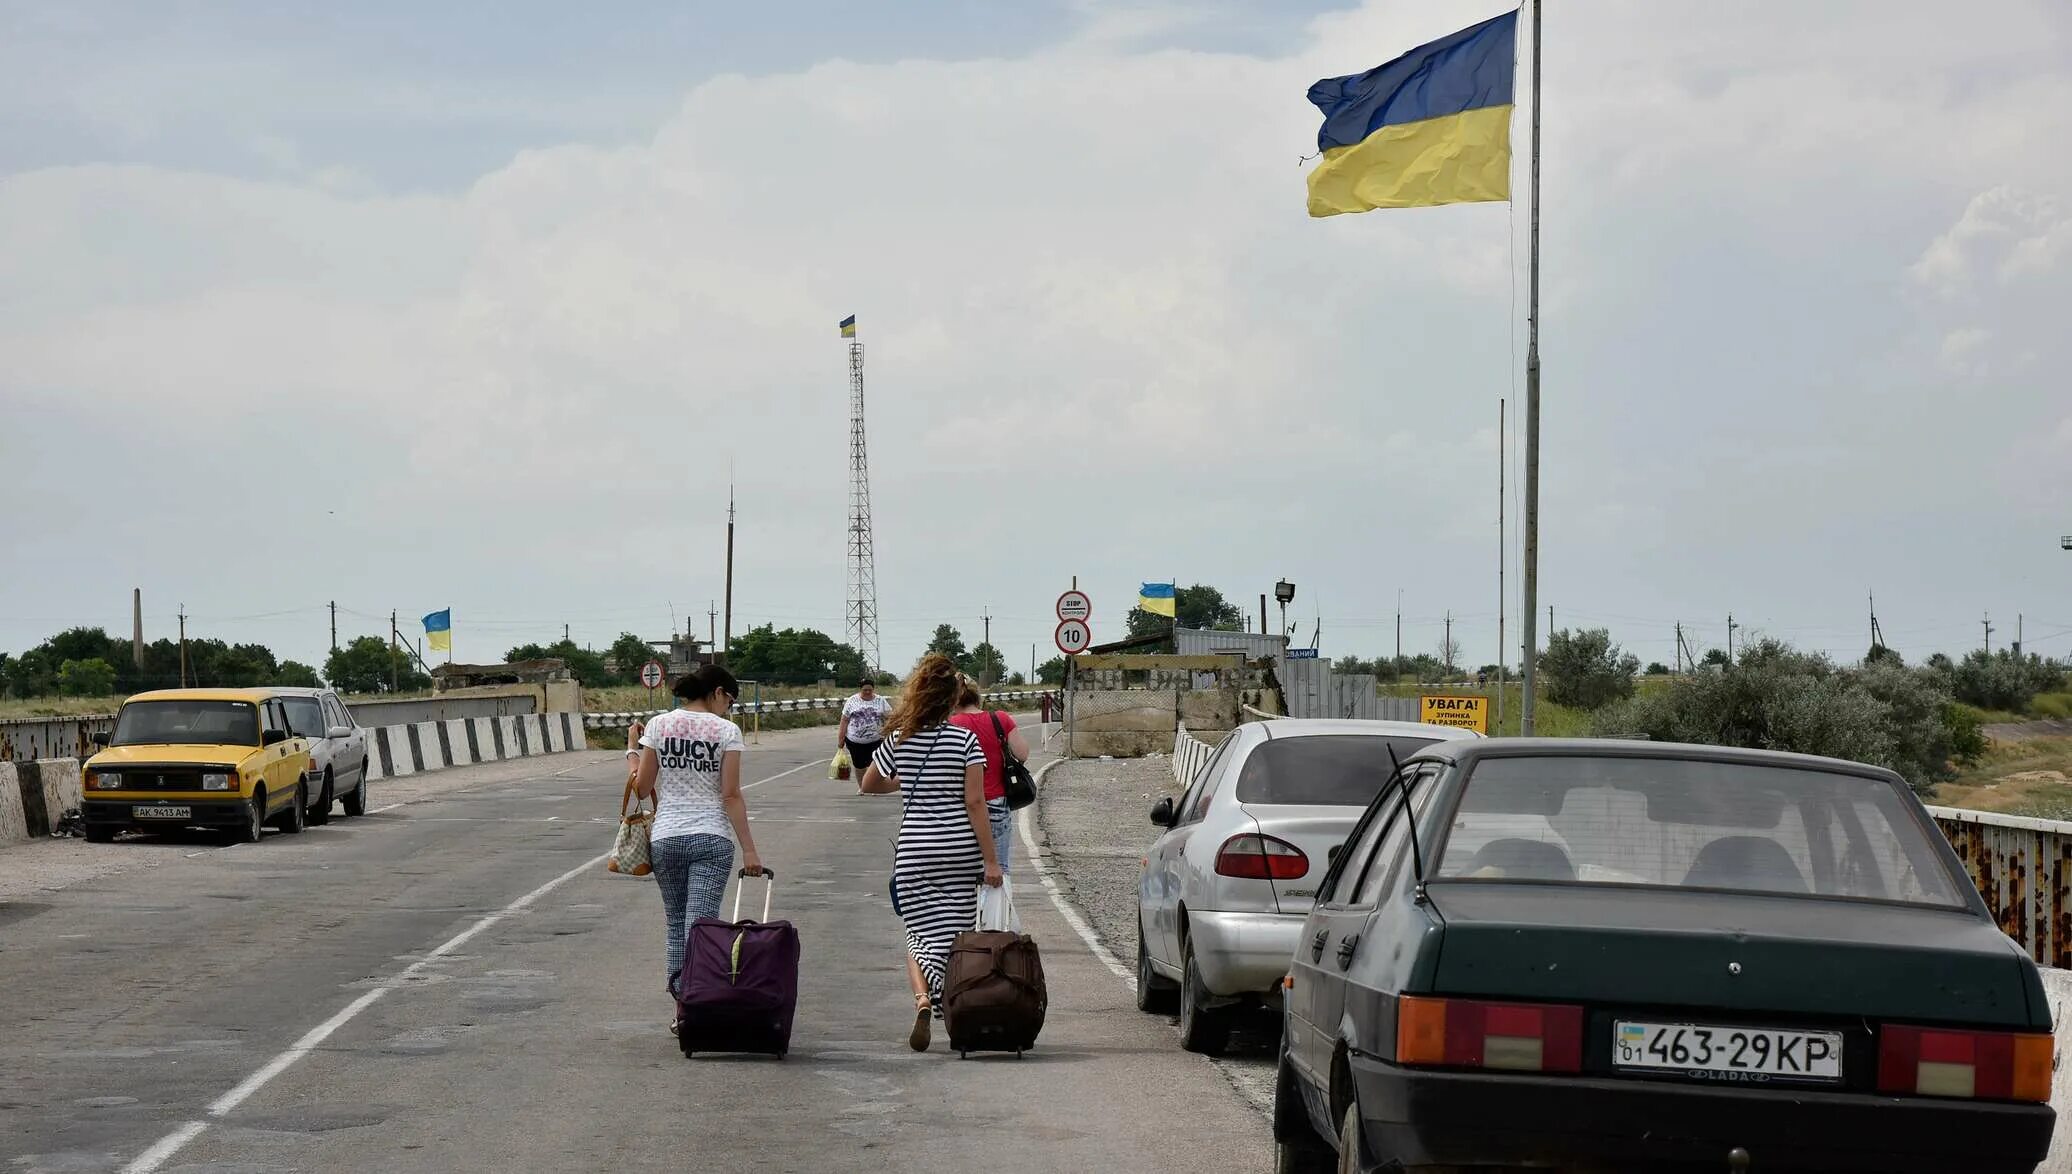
x=34 y=794
x=397 y=751
x=622 y=718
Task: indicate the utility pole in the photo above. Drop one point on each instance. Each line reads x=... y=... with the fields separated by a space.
x=183 y=646
x=1679 y=648
x=1262 y=613
x=2017 y=634
x=1988 y=622
x=564 y=633
x=395 y=678
x=1447 y=647
x=1731 y=625
x=334 y=625
x=137 y=626
x=1399 y=629
x=1500 y=559
x=985 y=619
x=1877 y=633
x=729 y=644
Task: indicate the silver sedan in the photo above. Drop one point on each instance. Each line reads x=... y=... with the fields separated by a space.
x=1227 y=885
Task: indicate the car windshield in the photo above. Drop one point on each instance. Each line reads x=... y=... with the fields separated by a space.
x=1330 y=770
x=214 y=723
x=1689 y=823
x=305 y=716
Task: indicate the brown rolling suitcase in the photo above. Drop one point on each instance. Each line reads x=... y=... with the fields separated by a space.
x=994 y=997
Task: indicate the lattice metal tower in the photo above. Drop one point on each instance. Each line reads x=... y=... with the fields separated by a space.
x=863 y=559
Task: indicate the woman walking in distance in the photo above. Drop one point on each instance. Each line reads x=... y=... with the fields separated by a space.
x=863 y=724
x=994 y=730
x=945 y=845
x=690 y=760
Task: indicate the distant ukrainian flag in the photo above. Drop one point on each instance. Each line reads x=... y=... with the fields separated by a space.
x=1156 y=598
x=438 y=631
x=1431 y=127
x=849 y=326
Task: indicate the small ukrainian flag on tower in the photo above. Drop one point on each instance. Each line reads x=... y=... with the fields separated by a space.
x=849 y=326
x=1157 y=598
x=438 y=630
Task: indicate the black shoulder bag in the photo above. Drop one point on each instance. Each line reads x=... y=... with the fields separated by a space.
x=1021 y=785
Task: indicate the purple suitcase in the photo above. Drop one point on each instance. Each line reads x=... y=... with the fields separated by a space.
x=740 y=983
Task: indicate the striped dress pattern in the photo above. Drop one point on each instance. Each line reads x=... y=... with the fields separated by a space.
x=937 y=865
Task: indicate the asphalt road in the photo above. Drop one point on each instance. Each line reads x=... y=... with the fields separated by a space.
x=455 y=983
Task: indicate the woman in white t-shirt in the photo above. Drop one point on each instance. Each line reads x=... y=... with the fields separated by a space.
x=690 y=761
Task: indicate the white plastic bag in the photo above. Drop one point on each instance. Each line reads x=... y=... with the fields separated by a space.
x=996 y=909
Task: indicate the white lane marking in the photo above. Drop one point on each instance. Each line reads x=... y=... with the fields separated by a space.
x=173 y=1142
x=773 y=778
x=1057 y=895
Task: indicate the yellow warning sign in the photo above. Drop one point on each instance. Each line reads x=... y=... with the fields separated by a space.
x=1467 y=713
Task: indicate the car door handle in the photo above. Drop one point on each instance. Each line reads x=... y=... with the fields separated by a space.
x=1346 y=946
x=1316 y=944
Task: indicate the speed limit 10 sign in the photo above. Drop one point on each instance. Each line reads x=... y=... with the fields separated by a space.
x=1073 y=636
x=651 y=674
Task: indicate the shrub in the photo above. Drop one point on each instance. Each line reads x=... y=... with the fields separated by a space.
x=2003 y=679
x=2058 y=705
x=1586 y=670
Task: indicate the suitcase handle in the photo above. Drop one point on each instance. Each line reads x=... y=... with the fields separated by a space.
x=769 y=887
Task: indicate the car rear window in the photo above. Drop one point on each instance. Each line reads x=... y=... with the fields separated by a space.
x=1688 y=823
x=162 y=723
x=1329 y=770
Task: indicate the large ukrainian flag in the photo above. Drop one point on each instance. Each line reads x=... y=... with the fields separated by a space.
x=1431 y=127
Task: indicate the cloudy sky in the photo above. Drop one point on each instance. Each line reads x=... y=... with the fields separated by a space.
x=482 y=309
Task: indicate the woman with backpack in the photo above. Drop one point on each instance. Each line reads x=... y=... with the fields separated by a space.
x=690 y=764
x=995 y=731
x=945 y=849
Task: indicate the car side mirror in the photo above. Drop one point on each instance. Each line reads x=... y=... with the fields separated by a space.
x=1162 y=814
x=100 y=737
x=273 y=737
x=339 y=732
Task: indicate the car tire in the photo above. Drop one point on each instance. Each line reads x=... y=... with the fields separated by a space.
x=1349 y=1142
x=320 y=814
x=356 y=799
x=1296 y=1147
x=255 y=818
x=1203 y=1029
x=295 y=816
x=1155 y=995
x=103 y=834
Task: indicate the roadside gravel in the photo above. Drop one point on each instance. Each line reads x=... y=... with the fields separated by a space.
x=1094 y=820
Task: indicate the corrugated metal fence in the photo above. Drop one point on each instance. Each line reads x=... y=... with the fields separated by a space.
x=28 y=739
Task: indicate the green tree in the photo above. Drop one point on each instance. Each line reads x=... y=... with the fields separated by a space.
x=92 y=677
x=949 y=642
x=1196 y=606
x=985 y=663
x=1715 y=656
x=794 y=656
x=628 y=653
x=363 y=666
x=1052 y=671
x=1586 y=670
x=1657 y=669
x=294 y=674
x=1017 y=680
x=2004 y=679
x=1879 y=654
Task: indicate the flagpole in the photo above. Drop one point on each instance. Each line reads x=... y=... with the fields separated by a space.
x=1532 y=404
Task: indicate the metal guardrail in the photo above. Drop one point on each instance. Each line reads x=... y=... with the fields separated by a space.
x=28 y=739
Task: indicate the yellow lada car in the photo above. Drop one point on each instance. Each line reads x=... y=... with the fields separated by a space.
x=213 y=758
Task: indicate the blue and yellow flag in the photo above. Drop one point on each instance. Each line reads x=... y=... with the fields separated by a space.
x=849 y=326
x=438 y=631
x=1431 y=127
x=1156 y=598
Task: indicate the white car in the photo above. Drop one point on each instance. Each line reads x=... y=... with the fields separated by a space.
x=337 y=750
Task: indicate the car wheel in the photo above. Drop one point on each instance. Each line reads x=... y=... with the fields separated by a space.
x=1155 y=995
x=103 y=834
x=1349 y=1143
x=255 y=818
x=1296 y=1147
x=356 y=799
x=1202 y=1029
x=295 y=816
x=320 y=814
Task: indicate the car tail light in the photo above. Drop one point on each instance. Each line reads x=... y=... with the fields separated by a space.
x=1251 y=856
x=1988 y=1065
x=1467 y=1033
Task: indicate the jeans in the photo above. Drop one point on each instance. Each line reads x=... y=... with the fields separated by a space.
x=692 y=873
x=1002 y=821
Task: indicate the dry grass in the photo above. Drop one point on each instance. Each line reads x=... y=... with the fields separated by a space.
x=2030 y=777
x=58 y=706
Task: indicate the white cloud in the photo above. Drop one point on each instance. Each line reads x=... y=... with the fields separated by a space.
x=1085 y=278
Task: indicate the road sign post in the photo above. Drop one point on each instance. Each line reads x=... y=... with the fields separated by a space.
x=1072 y=637
x=651 y=676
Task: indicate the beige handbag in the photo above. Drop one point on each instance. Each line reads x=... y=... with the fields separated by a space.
x=630 y=850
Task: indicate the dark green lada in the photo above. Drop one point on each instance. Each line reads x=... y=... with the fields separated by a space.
x=1598 y=955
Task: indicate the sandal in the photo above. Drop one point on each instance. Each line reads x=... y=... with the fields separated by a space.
x=918 y=1038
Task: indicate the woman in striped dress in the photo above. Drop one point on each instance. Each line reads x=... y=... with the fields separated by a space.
x=945 y=846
